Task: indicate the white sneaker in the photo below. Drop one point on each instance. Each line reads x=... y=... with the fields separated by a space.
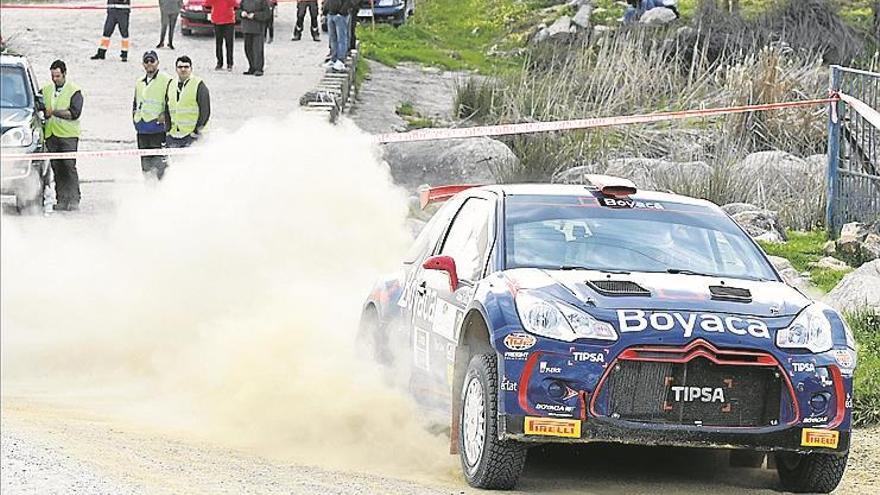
x=328 y=64
x=339 y=66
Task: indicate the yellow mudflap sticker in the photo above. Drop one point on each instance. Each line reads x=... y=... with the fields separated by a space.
x=811 y=437
x=552 y=427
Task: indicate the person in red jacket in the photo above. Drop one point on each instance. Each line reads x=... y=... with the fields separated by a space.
x=223 y=19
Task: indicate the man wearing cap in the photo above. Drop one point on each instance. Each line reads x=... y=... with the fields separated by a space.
x=148 y=113
x=187 y=106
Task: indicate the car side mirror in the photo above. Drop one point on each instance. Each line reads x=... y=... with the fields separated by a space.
x=444 y=264
x=40 y=103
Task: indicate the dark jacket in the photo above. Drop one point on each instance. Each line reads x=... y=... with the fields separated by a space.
x=262 y=12
x=343 y=7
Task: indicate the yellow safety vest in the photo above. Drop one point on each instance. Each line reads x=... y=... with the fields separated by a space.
x=183 y=107
x=150 y=98
x=55 y=126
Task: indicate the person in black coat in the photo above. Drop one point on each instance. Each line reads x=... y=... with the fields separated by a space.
x=254 y=16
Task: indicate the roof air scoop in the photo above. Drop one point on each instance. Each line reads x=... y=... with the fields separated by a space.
x=618 y=288
x=735 y=294
x=616 y=187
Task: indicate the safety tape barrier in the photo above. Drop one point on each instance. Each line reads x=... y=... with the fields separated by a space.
x=532 y=127
x=862 y=108
x=492 y=130
x=89 y=6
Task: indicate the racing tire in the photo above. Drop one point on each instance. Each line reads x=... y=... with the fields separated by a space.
x=373 y=335
x=810 y=473
x=488 y=463
x=186 y=31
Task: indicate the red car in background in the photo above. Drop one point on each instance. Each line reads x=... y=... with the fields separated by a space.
x=194 y=16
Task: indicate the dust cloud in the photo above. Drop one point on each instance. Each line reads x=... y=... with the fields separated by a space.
x=223 y=302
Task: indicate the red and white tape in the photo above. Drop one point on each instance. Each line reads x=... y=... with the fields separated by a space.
x=498 y=130
x=62 y=6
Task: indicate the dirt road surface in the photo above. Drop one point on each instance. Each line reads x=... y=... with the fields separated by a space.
x=265 y=411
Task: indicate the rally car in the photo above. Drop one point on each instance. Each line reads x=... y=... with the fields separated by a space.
x=598 y=312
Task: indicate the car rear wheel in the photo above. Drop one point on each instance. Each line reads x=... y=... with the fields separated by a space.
x=488 y=462
x=810 y=473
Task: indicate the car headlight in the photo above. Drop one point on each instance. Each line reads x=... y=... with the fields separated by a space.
x=559 y=321
x=811 y=330
x=17 y=137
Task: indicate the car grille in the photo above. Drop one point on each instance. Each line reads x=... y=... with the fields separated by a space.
x=697 y=392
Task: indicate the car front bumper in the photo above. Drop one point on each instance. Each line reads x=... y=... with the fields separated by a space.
x=20 y=178
x=393 y=12
x=790 y=439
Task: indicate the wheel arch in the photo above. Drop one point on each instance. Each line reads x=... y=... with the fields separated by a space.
x=474 y=338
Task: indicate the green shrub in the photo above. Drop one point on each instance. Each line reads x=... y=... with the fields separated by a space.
x=866 y=401
x=802 y=249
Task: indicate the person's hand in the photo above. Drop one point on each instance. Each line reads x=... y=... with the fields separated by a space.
x=47 y=112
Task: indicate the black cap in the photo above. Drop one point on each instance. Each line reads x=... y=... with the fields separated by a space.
x=151 y=54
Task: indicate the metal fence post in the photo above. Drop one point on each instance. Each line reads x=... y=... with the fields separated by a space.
x=834 y=122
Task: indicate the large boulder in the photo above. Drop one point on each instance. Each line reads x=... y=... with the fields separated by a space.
x=858 y=242
x=858 y=289
x=561 y=28
x=582 y=18
x=657 y=174
x=657 y=17
x=761 y=225
x=450 y=161
x=734 y=208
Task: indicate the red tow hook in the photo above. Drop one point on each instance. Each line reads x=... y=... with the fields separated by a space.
x=582 y=399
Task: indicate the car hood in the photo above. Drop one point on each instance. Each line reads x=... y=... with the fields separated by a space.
x=14 y=117
x=664 y=291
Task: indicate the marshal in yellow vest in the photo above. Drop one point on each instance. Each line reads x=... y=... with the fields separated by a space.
x=55 y=126
x=183 y=107
x=150 y=98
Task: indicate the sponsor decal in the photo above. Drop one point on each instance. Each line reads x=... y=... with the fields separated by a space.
x=848 y=403
x=554 y=407
x=516 y=355
x=819 y=438
x=519 y=341
x=845 y=358
x=630 y=203
x=702 y=394
x=507 y=385
x=816 y=419
x=544 y=368
x=636 y=320
x=588 y=357
x=551 y=427
x=803 y=367
x=425 y=305
x=445 y=316
x=421 y=355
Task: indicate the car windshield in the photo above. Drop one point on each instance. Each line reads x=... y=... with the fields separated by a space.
x=571 y=232
x=14 y=92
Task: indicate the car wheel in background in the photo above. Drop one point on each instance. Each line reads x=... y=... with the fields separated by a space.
x=186 y=31
x=810 y=473
x=488 y=463
x=373 y=336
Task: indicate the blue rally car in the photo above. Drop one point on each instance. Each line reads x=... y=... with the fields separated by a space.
x=583 y=313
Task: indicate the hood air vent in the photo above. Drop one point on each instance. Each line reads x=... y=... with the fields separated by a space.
x=618 y=288
x=725 y=293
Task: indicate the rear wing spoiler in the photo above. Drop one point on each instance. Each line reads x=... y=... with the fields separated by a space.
x=428 y=195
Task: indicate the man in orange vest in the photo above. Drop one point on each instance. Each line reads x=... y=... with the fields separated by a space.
x=117 y=15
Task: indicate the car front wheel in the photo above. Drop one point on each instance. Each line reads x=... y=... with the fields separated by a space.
x=810 y=473
x=488 y=463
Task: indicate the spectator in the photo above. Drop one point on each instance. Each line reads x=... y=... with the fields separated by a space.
x=223 y=19
x=168 y=11
x=352 y=22
x=188 y=106
x=148 y=113
x=118 y=12
x=63 y=106
x=301 y=7
x=270 y=24
x=337 y=12
x=254 y=15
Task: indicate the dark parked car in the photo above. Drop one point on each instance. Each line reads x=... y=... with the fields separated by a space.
x=21 y=125
x=394 y=11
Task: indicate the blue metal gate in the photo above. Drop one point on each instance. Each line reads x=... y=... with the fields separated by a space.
x=853 y=152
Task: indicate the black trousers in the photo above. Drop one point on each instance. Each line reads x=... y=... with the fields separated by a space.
x=301 y=17
x=270 y=24
x=352 y=24
x=154 y=141
x=253 y=50
x=116 y=17
x=66 y=176
x=224 y=33
x=168 y=23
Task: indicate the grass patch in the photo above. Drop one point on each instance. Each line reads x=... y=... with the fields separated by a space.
x=405 y=109
x=454 y=34
x=414 y=120
x=361 y=73
x=866 y=403
x=802 y=249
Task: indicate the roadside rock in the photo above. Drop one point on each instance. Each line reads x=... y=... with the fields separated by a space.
x=789 y=274
x=582 y=18
x=762 y=225
x=859 y=242
x=734 y=208
x=857 y=289
x=776 y=176
x=542 y=35
x=561 y=28
x=657 y=174
x=452 y=161
x=657 y=17
x=830 y=263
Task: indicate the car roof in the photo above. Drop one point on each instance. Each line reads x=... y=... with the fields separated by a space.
x=581 y=189
x=10 y=59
